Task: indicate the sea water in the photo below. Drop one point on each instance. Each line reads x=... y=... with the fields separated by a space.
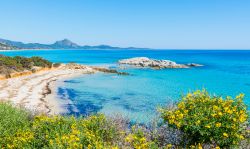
x=137 y=96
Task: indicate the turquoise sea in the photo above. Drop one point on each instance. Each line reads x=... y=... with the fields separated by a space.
x=226 y=72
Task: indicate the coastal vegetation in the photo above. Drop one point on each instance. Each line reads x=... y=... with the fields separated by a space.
x=21 y=63
x=198 y=120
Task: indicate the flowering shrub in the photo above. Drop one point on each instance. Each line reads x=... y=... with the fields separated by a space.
x=209 y=119
x=20 y=139
x=64 y=132
x=60 y=132
x=137 y=139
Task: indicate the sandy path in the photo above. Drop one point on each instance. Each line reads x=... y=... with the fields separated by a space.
x=31 y=91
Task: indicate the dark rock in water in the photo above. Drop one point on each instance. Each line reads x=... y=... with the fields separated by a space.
x=106 y=70
x=155 y=64
x=115 y=98
x=194 y=65
x=71 y=81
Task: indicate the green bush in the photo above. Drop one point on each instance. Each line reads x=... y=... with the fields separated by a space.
x=38 y=61
x=19 y=63
x=25 y=62
x=209 y=119
x=11 y=63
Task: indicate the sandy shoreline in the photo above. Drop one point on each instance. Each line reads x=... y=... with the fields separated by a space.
x=36 y=91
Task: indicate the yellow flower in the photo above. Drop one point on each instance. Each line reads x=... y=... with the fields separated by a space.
x=233 y=126
x=169 y=145
x=198 y=122
x=180 y=116
x=172 y=117
x=242 y=118
x=185 y=111
x=225 y=135
x=218 y=124
x=181 y=105
x=241 y=137
x=189 y=95
x=199 y=146
x=217 y=147
x=143 y=139
x=213 y=115
x=226 y=108
x=171 y=121
x=51 y=142
x=220 y=114
x=240 y=96
x=89 y=146
x=215 y=107
x=208 y=126
x=178 y=124
x=229 y=111
x=129 y=138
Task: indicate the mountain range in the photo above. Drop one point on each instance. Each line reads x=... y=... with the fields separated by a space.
x=62 y=44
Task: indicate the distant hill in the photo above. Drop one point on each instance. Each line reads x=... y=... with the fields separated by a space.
x=6 y=47
x=65 y=43
x=62 y=44
x=21 y=45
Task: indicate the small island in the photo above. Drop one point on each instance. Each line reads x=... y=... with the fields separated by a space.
x=155 y=64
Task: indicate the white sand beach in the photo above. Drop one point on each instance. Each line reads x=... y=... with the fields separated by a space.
x=34 y=91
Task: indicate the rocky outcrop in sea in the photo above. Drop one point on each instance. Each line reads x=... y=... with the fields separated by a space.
x=154 y=63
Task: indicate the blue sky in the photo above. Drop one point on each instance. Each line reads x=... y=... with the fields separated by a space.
x=168 y=24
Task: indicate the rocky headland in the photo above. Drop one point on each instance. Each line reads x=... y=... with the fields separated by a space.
x=154 y=63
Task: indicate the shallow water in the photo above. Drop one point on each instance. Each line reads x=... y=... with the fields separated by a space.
x=138 y=95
